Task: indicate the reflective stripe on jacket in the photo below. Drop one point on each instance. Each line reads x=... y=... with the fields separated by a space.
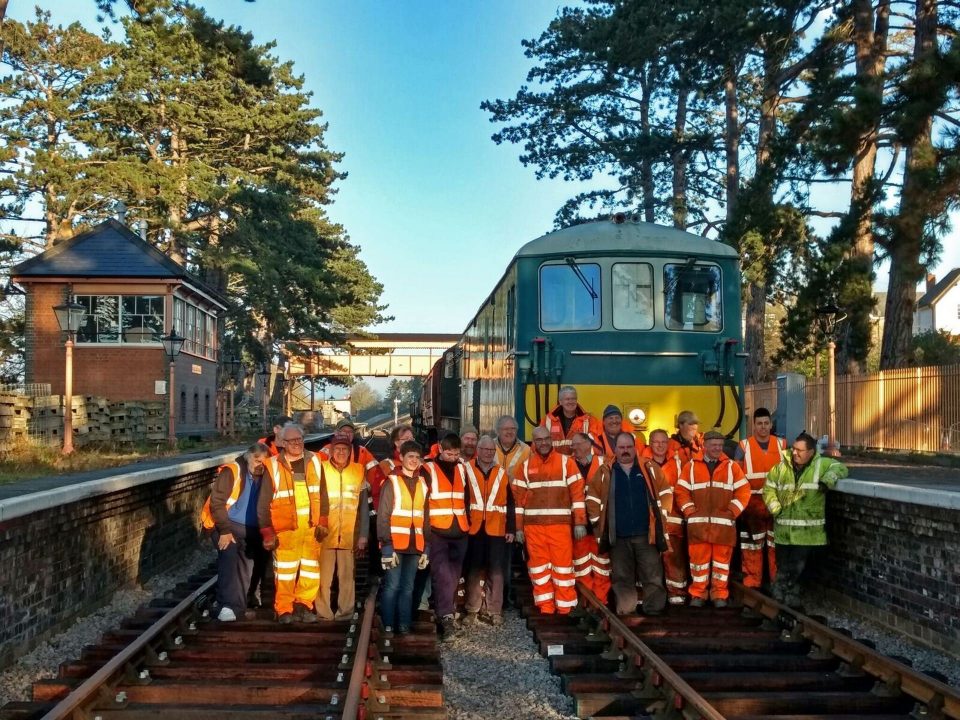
x=757 y=462
x=406 y=518
x=446 y=498
x=488 y=499
x=583 y=422
x=344 y=490
x=510 y=460
x=686 y=451
x=799 y=505
x=279 y=499
x=206 y=514
x=711 y=504
x=549 y=491
x=671 y=474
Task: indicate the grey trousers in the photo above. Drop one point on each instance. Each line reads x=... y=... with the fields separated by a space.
x=634 y=560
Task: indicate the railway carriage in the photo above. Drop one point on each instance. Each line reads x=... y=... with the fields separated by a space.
x=633 y=314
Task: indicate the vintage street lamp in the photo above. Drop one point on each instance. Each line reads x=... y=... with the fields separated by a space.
x=172 y=344
x=69 y=318
x=829 y=316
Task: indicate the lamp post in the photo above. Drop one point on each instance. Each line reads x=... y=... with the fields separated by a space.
x=172 y=344
x=264 y=374
x=233 y=365
x=829 y=316
x=69 y=318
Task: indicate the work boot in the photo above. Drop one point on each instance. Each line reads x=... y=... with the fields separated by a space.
x=403 y=630
x=696 y=602
x=448 y=628
x=496 y=619
x=285 y=619
x=720 y=603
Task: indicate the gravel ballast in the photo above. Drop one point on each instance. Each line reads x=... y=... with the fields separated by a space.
x=43 y=661
x=887 y=641
x=497 y=674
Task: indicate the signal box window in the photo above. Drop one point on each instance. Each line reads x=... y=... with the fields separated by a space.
x=692 y=298
x=570 y=296
x=632 y=296
x=121 y=319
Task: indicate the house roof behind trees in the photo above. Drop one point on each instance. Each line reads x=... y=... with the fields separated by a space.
x=933 y=295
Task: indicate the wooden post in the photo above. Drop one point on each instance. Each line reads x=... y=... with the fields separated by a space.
x=68 y=399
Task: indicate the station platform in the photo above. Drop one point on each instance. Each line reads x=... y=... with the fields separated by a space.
x=931 y=485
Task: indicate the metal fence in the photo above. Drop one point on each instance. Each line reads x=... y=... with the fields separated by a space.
x=906 y=409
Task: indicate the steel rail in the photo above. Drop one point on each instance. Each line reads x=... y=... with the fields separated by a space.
x=685 y=697
x=90 y=689
x=358 y=673
x=941 y=700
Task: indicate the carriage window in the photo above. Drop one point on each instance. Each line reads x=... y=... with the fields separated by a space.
x=570 y=297
x=692 y=297
x=632 y=296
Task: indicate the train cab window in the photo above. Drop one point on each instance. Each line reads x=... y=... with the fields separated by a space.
x=632 y=296
x=570 y=297
x=692 y=297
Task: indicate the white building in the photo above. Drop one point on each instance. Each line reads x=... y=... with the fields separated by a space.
x=939 y=308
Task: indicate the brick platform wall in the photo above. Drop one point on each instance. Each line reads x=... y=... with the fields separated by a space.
x=63 y=562
x=895 y=563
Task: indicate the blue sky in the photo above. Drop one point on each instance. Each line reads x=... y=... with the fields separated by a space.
x=437 y=208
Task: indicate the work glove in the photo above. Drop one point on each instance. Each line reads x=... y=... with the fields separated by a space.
x=519 y=537
x=320 y=532
x=579 y=532
x=423 y=562
x=270 y=541
x=388 y=558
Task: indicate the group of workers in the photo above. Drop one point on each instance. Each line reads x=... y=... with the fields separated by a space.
x=590 y=501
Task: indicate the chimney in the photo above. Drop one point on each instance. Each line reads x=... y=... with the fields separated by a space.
x=931 y=281
x=142 y=229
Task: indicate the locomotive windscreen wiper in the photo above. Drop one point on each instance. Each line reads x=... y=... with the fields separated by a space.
x=581 y=277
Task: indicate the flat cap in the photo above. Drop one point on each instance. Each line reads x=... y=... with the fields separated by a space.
x=713 y=435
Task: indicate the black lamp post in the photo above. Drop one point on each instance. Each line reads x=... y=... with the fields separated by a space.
x=69 y=318
x=172 y=344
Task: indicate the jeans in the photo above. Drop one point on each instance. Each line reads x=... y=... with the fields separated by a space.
x=396 y=598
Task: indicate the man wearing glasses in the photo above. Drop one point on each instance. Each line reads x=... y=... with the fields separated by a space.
x=292 y=510
x=796 y=495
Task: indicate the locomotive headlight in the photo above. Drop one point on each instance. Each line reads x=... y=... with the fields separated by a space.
x=637 y=416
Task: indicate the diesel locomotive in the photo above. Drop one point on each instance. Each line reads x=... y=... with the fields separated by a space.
x=639 y=315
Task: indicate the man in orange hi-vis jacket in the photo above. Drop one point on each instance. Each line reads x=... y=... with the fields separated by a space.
x=567 y=419
x=549 y=496
x=292 y=510
x=758 y=455
x=711 y=492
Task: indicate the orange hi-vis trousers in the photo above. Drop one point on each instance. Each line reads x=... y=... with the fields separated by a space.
x=709 y=570
x=296 y=569
x=550 y=564
x=591 y=567
x=756 y=541
x=676 y=568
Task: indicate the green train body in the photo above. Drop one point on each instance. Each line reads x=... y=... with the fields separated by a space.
x=633 y=314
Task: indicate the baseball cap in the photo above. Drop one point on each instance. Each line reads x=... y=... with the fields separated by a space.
x=612 y=410
x=344 y=422
x=340 y=439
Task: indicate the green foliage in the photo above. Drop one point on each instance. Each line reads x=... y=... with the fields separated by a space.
x=207 y=137
x=936 y=348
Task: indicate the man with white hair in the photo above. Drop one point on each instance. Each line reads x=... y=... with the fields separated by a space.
x=567 y=419
x=292 y=510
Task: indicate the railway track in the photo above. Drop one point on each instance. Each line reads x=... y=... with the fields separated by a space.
x=171 y=659
x=761 y=660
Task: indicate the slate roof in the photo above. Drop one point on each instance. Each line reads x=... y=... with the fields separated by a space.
x=936 y=292
x=108 y=250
